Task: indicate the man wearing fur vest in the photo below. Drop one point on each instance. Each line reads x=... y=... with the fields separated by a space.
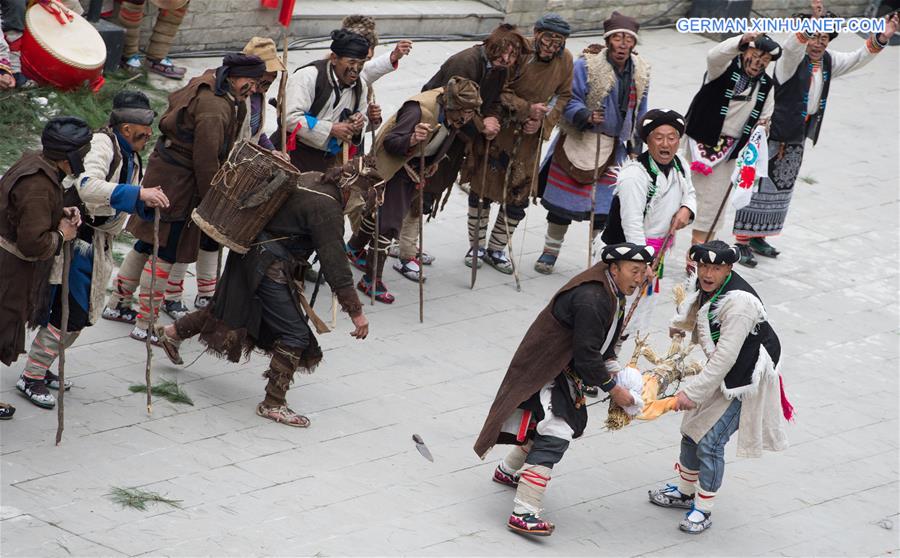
x=738 y=386
x=609 y=93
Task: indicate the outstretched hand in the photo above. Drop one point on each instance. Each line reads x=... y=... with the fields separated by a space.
x=362 y=326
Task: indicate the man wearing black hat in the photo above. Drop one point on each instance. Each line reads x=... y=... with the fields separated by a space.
x=34 y=224
x=105 y=193
x=532 y=102
x=326 y=104
x=540 y=405
x=199 y=128
x=653 y=194
x=609 y=92
x=736 y=96
x=802 y=81
x=738 y=386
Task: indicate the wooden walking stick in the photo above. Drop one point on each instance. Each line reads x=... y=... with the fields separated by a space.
x=371 y=100
x=512 y=262
x=476 y=240
x=421 y=189
x=535 y=171
x=654 y=266
x=712 y=229
x=594 y=198
x=152 y=319
x=282 y=93
x=64 y=332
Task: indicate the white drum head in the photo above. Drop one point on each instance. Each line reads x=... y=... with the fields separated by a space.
x=77 y=43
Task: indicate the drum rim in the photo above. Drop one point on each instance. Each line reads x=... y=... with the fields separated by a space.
x=53 y=53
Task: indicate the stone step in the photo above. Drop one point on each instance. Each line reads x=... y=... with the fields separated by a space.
x=317 y=18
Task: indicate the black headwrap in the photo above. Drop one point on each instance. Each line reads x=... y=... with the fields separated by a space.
x=766 y=44
x=347 y=44
x=626 y=251
x=239 y=64
x=714 y=252
x=131 y=107
x=553 y=22
x=67 y=138
x=655 y=118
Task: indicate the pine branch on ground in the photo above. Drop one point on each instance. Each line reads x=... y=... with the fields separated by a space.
x=170 y=391
x=138 y=499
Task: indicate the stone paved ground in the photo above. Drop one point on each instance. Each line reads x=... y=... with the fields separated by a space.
x=353 y=484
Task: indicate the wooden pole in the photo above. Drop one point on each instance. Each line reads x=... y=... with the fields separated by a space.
x=64 y=332
x=152 y=300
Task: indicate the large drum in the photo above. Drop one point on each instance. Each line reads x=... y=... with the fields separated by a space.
x=245 y=193
x=61 y=49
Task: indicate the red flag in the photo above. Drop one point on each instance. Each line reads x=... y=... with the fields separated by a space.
x=287 y=12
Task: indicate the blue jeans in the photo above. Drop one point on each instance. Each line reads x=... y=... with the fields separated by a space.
x=708 y=457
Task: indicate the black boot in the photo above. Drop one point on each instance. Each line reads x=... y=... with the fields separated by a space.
x=763 y=248
x=747 y=258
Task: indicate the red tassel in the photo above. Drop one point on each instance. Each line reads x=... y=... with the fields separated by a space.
x=656 y=285
x=269 y=4
x=353 y=151
x=292 y=138
x=286 y=13
x=786 y=408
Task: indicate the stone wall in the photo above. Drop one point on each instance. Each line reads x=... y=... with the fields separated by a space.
x=227 y=24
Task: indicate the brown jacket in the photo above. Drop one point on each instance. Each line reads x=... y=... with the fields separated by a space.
x=542 y=355
x=196 y=117
x=31 y=206
x=538 y=82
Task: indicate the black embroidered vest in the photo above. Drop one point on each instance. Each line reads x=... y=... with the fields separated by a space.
x=789 y=122
x=707 y=112
x=741 y=374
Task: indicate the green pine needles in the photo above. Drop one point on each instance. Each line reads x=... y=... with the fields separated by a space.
x=170 y=391
x=138 y=499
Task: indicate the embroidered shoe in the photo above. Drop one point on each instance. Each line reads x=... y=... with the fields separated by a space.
x=394 y=252
x=468 y=258
x=763 y=248
x=36 y=391
x=670 y=497
x=175 y=309
x=409 y=269
x=498 y=260
x=357 y=258
x=746 y=254
x=52 y=381
x=504 y=478
x=381 y=292
x=132 y=64
x=120 y=313
x=530 y=524
x=695 y=521
x=545 y=263
x=166 y=68
x=6 y=411
x=201 y=302
x=141 y=335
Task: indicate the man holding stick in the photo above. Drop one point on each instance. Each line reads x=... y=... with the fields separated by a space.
x=34 y=225
x=105 y=193
x=598 y=132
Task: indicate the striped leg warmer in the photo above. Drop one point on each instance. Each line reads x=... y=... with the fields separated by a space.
x=533 y=482
x=162 y=278
x=554 y=238
x=127 y=280
x=503 y=230
x=475 y=225
x=167 y=24
x=687 y=479
x=44 y=350
x=131 y=12
x=207 y=260
x=175 y=284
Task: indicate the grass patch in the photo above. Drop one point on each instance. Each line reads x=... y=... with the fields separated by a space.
x=26 y=111
x=170 y=391
x=138 y=499
x=809 y=180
